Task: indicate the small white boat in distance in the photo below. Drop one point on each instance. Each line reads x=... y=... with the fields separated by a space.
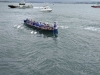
x=46 y=8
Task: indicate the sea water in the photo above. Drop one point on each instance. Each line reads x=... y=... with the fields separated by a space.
x=76 y=50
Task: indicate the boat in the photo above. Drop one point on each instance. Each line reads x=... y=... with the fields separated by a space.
x=96 y=6
x=46 y=8
x=44 y=28
x=22 y=5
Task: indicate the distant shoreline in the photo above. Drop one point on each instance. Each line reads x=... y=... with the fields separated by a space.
x=54 y=2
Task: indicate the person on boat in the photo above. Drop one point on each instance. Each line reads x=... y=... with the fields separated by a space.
x=26 y=20
x=47 y=26
x=34 y=23
x=43 y=26
x=55 y=29
x=29 y=22
x=37 y=24
x=40 y=24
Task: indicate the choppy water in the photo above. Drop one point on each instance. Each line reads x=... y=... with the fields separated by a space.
x=76 y=51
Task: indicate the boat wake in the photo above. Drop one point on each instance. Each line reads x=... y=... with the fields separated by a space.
x=33 y=32
x=63 y=27
x=37 y=7
x=93 y=29
x=36 y=32
x=18 y=26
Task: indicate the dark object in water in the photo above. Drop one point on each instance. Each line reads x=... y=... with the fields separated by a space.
x=96 y=6
x=12 y=6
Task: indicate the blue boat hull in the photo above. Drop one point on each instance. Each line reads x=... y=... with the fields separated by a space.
x=41 y=30
x=38 y=29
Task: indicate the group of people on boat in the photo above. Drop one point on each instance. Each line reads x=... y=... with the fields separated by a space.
x=43 y=26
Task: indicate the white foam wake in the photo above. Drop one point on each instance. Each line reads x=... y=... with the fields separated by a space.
x=92 y=29
x=63 y=27
x=38 y=7
x=33 y=32
x=18 y=26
